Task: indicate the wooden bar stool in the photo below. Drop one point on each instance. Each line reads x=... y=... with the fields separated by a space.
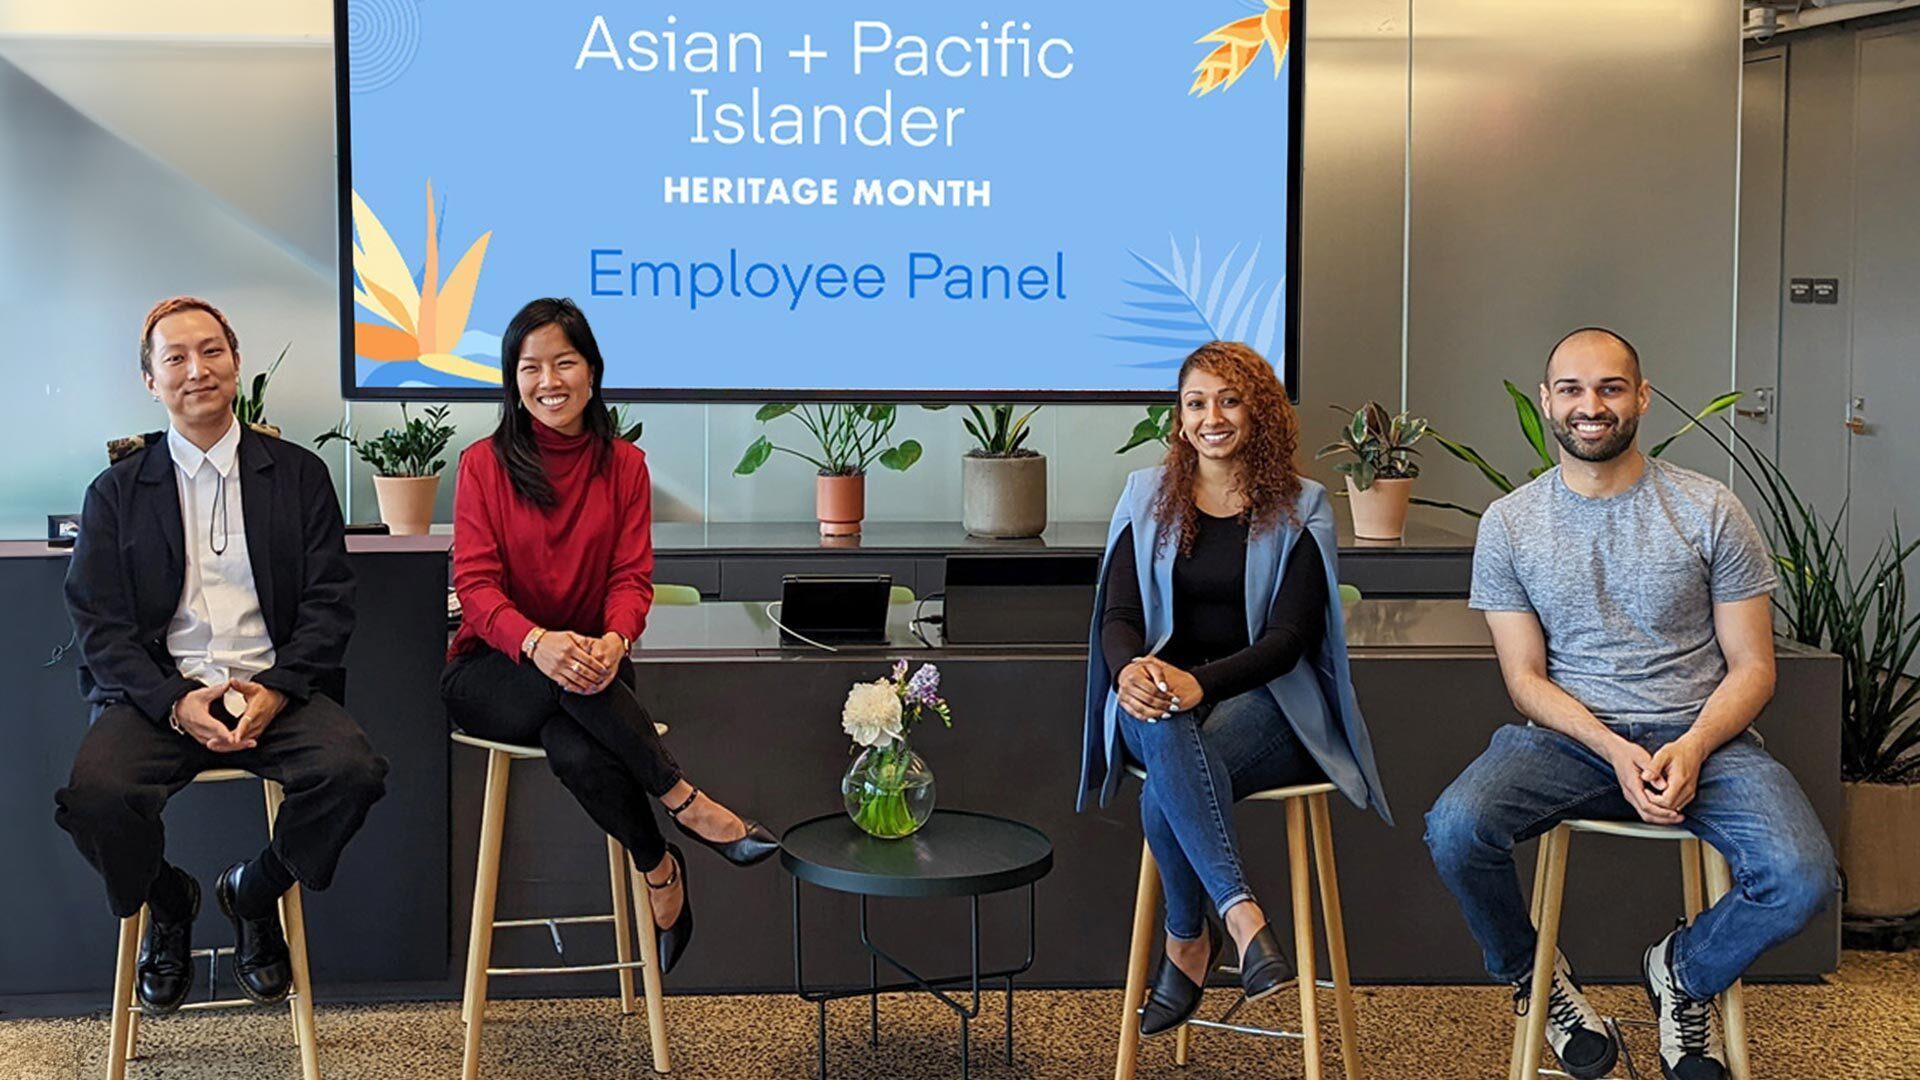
x=1303 y=802
x=1698 y=861
x=124 y=1031
x=627 y=883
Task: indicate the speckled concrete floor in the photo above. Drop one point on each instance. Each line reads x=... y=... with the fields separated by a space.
x=1863 y=1023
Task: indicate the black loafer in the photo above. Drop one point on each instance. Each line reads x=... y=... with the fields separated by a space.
x=1263 y=967
x=673 y=939
x=757 y=845
x=1172 y=998
x=260 y=962
x=164 y=973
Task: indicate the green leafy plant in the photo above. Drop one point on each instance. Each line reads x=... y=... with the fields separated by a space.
x=850 y=438
x=412 y=449
x=620 y=427
x=1156 y=426
x=1534 y=427
x=998 y=432
x=1382 y=446
x=1863 y=617
x=1876 y=636
x=250 y=406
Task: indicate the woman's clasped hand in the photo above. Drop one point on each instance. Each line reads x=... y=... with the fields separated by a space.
x=580 y=664
x=1151 y=689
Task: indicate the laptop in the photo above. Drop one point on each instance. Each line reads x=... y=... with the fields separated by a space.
x=835 y=609
x=1026 y=599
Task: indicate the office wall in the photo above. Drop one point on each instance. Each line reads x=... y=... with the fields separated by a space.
x=1569 y=163
x=1572 y=164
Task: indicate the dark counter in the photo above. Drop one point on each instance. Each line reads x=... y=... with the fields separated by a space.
x=744 y=560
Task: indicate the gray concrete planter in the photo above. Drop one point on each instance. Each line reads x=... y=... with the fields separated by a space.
x=1004 y=498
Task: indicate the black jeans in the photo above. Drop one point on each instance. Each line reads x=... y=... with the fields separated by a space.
x=602 y=746
x=129 y=766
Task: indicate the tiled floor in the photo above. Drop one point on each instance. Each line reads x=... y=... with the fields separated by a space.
x=1863 y=1023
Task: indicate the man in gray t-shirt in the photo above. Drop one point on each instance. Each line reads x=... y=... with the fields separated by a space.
x=1624 y=587
x=1629 y=601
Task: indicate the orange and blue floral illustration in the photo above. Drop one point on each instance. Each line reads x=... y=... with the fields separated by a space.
x=1238 y=44
x=422 y=338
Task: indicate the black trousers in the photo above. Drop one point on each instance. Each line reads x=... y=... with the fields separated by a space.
x=602 y=746
x=128 y=767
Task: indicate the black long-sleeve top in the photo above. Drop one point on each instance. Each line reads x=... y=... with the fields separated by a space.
x=1210 y=611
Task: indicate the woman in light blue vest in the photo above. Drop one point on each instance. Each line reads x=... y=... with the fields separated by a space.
x=1218 y=661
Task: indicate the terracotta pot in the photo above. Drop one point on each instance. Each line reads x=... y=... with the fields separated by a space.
x=1880 y=849
x=840 y=502
x=1004 y=498
x=1380 y=512
x=406 y=502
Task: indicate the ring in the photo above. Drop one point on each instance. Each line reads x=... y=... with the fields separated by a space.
x=576 y=667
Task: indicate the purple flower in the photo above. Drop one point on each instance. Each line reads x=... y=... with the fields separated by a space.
x=899 y=670
x=924 y=688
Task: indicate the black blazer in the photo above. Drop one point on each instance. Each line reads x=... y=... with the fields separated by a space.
x=129 y=567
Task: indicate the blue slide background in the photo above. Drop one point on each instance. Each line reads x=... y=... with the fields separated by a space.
x=1111 y=167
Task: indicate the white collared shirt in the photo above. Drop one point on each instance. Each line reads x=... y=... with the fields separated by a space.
x=218 y=631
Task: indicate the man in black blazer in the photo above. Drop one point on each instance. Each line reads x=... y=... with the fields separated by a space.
x=212 y=599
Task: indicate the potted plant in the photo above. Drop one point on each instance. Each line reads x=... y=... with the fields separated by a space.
x=1877 y=636
x=1865 y=618
x=888 y=790
x=1380 y=476
x=1155 y=427
x=1003 y=484
x=250 y=406
x=851 y=438
x=406 y=467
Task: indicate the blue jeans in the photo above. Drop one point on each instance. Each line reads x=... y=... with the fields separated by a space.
x=1198 y=763
x=1747 y=806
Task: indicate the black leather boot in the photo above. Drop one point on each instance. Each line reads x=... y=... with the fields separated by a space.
x=164 y=972
x=260 y=962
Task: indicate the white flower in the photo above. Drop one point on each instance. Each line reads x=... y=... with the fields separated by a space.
x=872 y=713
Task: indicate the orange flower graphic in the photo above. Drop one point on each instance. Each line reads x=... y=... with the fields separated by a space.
x=426 y=320
x=1239 y=42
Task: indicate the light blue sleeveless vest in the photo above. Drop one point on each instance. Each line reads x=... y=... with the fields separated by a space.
x=1316 y=695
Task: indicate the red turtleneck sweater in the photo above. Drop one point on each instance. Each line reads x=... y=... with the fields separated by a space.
x=585 y=565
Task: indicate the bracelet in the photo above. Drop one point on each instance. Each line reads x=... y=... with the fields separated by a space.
x=532 y=639
x=173 y=717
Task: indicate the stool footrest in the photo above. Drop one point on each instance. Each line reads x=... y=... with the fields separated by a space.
x=1271 y=1033
x=227 y=1003
x=569 y=969
x=563 y=920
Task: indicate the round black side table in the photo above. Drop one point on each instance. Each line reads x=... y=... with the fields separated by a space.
x=957 y=853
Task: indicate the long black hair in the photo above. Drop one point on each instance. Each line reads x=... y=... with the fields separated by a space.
x=513 y=439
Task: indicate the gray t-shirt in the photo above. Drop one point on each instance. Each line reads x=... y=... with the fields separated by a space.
x=1625 y=586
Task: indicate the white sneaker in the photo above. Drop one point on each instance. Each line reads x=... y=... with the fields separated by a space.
x=1690 y=1043
x=1580 y=1039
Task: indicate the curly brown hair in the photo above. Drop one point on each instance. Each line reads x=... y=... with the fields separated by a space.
x=1267 y=476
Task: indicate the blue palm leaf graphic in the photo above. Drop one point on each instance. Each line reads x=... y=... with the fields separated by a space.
x=1192 y=307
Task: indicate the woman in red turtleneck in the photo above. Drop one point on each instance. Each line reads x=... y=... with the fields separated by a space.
x=553 y=562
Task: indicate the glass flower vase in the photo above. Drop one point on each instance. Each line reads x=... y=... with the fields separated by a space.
x=888 y=790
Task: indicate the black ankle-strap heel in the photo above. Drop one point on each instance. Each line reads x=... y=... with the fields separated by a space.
x=757 y=845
